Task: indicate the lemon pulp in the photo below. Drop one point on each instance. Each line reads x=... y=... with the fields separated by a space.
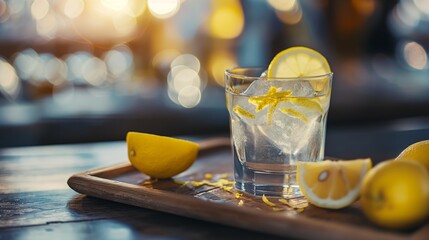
x=332 y=184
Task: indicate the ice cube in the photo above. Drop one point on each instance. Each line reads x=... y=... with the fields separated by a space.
x=299 y=88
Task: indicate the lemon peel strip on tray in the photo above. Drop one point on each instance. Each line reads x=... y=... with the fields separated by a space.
x=268 y=202
x=221 y=183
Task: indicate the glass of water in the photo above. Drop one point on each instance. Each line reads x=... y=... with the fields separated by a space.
x=275 y=122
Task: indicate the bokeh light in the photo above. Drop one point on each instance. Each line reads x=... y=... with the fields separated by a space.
x=73 y=8
x=3 y=8
x=26 y=62
x=292 y=15
x=125 y=25
x=9 y=82
x=415 y=55
x=55 y=71
x=406 y=14
x=186 y=80
x=47 y=26
x=136 y=8
x=94 y=71
x=365 y=7
x=163 y=8
x=188 y=60
x=74 y=63
x=226 y=20
x=4 y=13
x=186 y=77
x=116 y=5
x=423 y=6
x=16 y=7
x=282 y=5
x=164 y=58
x=189 y=96
x=39 y=9
x=119 y=61
x=219 y=61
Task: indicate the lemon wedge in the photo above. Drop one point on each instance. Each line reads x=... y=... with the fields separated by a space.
x=298 y=62
x=159 y=156
x=332 y=184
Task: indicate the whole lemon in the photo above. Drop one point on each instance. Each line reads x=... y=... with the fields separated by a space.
x=418 y=151
x=395 y=194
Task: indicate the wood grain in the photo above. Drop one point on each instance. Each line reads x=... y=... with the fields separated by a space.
x=122 y=183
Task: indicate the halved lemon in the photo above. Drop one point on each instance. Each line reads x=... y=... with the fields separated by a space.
x=332 y=184
x=298 y=62
x=159 y=156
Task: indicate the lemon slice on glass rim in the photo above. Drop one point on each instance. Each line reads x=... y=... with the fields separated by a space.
x=298 y=62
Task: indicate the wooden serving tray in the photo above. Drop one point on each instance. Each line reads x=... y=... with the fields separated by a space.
x=122 y=183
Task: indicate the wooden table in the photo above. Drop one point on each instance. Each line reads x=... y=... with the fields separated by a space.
x=36 y=203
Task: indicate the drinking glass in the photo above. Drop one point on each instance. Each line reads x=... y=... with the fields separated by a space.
x=275 y=123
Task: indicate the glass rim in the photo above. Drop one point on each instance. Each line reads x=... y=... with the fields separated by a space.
x=244 y=77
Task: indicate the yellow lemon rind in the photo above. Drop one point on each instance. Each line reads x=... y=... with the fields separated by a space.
x=160 y=156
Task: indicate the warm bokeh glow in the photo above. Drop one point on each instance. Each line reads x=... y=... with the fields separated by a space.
x=74 y=8
x=94 y=71
x=164 y=58
x=125 y=25
x=16 y=7
x=136 y=8
x=104 y=21
x=415 y=55
x=187 y=60
x=116 y=5
x=39 y=9
x=226 y=20
x=55 y=71
x=47 y=26
x=163 y=8
x=186 y=77
x=422 y=5
x=365 y=7
x=9 y=81
x=218 y=62
x=119 y=61
x=3 y=8
x=189 y=96
x=185 y=81
x=282 y=5
x=291 y=16
x=26 y=63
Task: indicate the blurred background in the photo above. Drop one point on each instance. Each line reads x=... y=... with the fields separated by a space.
x=91 y=70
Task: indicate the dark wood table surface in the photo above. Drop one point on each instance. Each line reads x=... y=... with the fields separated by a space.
x=36 y=203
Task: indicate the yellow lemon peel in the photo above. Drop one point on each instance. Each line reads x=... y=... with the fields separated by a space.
x=272 y=97
x=221 y=183
x=243 y=112
x=268 y=202
x=238 y=195
x=308 y=103
x=150 y=181
x=294 y=113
